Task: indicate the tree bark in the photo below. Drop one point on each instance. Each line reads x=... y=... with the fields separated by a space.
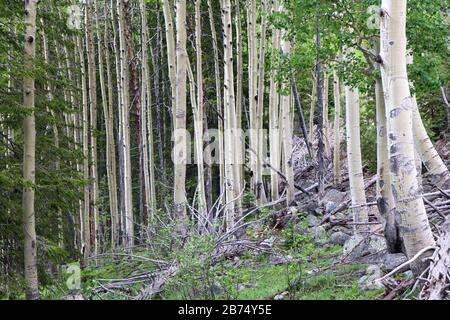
x=414 y=227
x=29 y=154
x=337 y=129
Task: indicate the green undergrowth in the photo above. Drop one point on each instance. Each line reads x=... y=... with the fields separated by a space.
x=312 y=276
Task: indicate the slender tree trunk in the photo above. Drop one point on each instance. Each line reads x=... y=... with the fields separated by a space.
x=218 y=99
x=274 y=117
x=49 y=89
x=337 y=129
x=157 y=88
x=355 y=173
x=239 y=88
x=413 y=221
x=127 y=206
x=110 y=139
x=253 y=91
x=261 y=193
x=320 y=121
x=92 y=76
x=147 y=130
x=199 y=115
x=326 y=122
x=85 y=227
x=385 y=198
x=287 y=134
x=180 y=135
x=232 y=171
x=29 y=154
x=311 y=111
x=430 y=157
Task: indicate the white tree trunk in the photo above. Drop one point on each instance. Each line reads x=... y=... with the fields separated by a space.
x=355 y=172
x=413 y=221
x=29 y=154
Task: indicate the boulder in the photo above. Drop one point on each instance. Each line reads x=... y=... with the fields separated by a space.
x=319 y=234
x=390 y=261
x=332 y=199
x=312 y=220
x=370 y=280
x=339 y=238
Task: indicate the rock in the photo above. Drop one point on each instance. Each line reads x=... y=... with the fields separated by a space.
x=268 y=242
x=311 y=207
x=74 y=297
x=312 y=221
x=390 y=261
x=408 y=275
x=339 y=238
x=332 y=199
x=370 y=280
x=281 y=296
x=319 y=234
x=359 y=247
x=247 y=286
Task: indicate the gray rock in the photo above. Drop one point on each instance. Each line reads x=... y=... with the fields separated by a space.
x=247 y=286
x=319 y=234
x=339 y=238
x=409 y=275
x=281 y=296
x=370 y=280
x=332 y=199
x=358 y=247
x=390 y=261
x=312 y=221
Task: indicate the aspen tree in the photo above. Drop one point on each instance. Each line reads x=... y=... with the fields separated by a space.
x=198 y=111
x=274 y=111
x=29 y=153
x=85 y=226
x=430 y=157
x=261 y=194
x=218 y=99
x=385 y=198
x=92 y=76
x=355 y=173
x=147 y=126
x=252 y=92
x=49 y=89
x=180 y=149
x=120 y=149
x=414 y=227
x=239 y=91
x=326 y=122
x=312 y=109
x=320 y=122
x=337 y=129
x=110 y=139
x=231 y=167
x=156 y=60
x=286 y=124
x=124 y=146
x=171 y=58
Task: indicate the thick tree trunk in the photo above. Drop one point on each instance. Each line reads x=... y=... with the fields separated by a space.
x=413 y=221
x=29 y=154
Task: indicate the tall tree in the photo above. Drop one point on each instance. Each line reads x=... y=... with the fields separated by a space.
x=414 y=227
x=29 y=153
